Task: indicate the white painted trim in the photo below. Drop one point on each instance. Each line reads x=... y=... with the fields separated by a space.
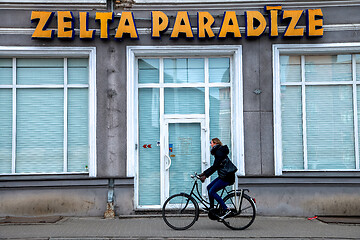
x=46 y=51
x=14 y=115
x=237 y=106
x=355 y=106
x=317 y=83
x=317 y=48
x=149 y=207
x=183 y=50
x=92 y=112
x=183 y=85
x=131 y=112
x=303 y=49
x=206 y=160
x=47 y=86
x=65 y=141
x=164 y=145
x=277 y=112
x=303 y=111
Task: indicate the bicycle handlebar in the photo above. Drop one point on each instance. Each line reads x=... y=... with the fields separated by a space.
x=195 y=176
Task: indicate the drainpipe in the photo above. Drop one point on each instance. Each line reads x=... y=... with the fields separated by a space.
x=110 y=212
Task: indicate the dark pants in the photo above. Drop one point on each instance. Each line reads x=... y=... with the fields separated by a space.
x=216 y=185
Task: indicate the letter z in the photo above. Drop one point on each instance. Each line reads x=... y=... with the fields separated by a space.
x=44 y=21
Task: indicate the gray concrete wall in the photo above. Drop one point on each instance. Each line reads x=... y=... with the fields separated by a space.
x=63 y=197
x=308 y=197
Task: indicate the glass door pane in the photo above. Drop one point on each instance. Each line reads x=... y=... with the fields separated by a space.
x=149 y=152
x=185 y=154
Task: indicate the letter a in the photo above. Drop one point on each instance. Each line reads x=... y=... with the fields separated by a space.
x=182 y=17
x=127 y=25
x=226 y=27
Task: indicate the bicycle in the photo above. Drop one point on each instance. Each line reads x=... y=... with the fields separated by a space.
x=181 y=211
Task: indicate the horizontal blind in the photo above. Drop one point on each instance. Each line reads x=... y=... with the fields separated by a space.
x=219 y=70
x=5 y=130
x=184 y=100
x=330 y=127
x=6 y=71
x=290 y=69
x=149 y=158
x=148 y=70
x=40 y=130
x=78 y=71
x=40 y=71
x=292 y=128
x=328 y=68
x=78 y=130
x=184 y=70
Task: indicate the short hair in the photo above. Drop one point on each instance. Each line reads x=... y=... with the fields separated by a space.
x=217 y=141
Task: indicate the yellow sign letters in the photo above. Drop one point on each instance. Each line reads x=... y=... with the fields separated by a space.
x=256 y=24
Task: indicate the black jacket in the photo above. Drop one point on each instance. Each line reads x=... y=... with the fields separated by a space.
x=220 y=153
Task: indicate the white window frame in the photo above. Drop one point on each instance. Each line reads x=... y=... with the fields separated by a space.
x=58 y=52
x=309 y=49
x=235 y=52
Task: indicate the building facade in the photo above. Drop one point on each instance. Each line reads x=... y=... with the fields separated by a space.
x=111 y=105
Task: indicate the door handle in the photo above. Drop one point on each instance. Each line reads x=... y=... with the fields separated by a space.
x=167 y=168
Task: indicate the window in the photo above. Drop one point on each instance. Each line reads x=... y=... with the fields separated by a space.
x=46 y=112
x=316 y=109
x=184 y=84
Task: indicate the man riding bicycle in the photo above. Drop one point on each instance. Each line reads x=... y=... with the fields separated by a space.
x=220 y=153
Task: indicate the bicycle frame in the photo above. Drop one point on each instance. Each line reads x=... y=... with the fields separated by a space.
x=197 y=195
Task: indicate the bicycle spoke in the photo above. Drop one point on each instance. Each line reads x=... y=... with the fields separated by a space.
x=180 y=211
x=242 y=218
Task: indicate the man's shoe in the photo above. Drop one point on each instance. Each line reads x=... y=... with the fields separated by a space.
x=228 y=211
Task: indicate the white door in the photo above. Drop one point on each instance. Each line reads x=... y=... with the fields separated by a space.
x=183 y=153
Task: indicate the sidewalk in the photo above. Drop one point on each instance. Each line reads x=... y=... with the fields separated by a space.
x=154 y=228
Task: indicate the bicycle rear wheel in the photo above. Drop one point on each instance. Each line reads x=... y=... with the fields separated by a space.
x=242 y=217
x=180 y=211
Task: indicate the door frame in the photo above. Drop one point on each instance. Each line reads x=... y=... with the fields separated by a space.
x=237 y=129
x=164 y=148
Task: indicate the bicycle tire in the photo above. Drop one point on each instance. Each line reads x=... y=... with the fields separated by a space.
x=244 y=217
x=180 y=211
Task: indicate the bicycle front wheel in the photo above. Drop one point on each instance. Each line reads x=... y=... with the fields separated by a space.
x=243 y=212
x=180 y=211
